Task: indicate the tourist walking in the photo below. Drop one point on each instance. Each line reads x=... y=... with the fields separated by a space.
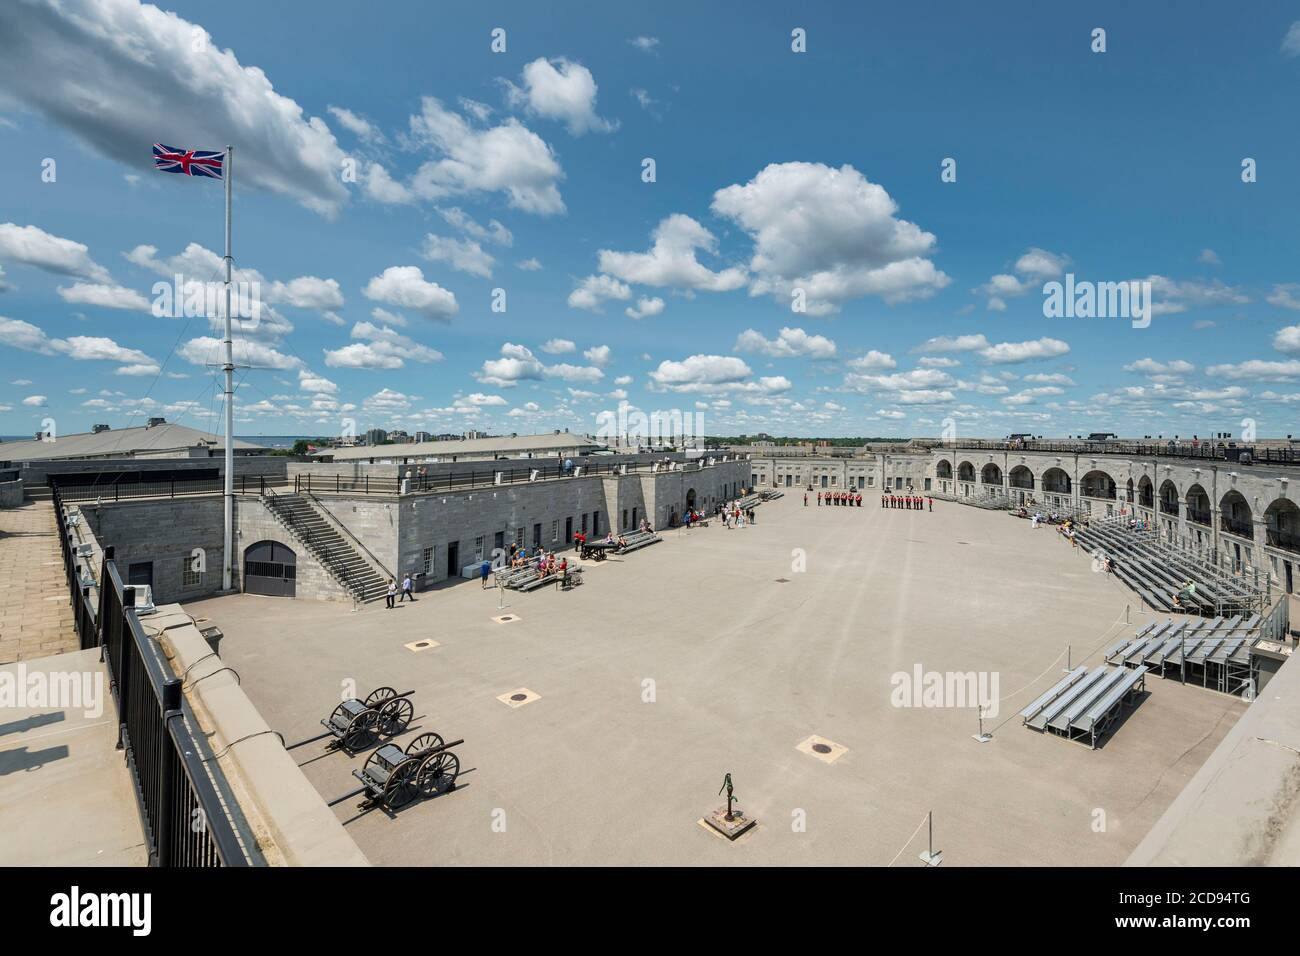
x=391 y=596
x=483 y=571
x=406 y=589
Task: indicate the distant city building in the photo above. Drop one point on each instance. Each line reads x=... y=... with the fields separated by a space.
x=376 y=436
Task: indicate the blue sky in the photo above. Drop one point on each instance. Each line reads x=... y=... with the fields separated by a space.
x=776 y=173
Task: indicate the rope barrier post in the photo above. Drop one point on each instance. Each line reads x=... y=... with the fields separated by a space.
x=981 y=737
x=930 y=857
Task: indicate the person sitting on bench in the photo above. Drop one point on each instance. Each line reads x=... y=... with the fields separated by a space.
x=1188 y=591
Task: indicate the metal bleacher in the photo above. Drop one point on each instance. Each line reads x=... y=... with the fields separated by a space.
x=1084 y=703
x=1157 y=571
x=1212 y=652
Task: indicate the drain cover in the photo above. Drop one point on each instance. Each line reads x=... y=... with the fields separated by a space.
x=821 y=748
x=782 y=580
x=518 y=696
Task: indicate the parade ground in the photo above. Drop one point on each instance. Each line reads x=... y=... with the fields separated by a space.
x=737 y=651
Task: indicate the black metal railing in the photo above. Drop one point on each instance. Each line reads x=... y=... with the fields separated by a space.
x=470 y=478
x=1281 y=538
x=175 y=488
x=1168 y=507
x=1088 y=491
x=1204 y=450
x=84 y=611
x=1198 y=515
x=1238 y=526
x=184 y=820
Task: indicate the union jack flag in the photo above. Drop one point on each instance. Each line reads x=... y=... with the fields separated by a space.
x=190 y=162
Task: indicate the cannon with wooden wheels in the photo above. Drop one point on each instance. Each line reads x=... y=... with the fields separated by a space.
x=355 y=724
x=393 y=777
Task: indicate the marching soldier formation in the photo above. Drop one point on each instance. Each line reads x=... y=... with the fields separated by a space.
x=842 y=499
x=907 y=502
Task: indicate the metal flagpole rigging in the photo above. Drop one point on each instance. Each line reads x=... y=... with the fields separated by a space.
x=228 y=539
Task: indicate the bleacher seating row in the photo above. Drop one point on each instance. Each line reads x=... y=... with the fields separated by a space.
x=771 y=494
x=529 y=578
x=1157 y=572
x=1084 y=703
x=1212 y=652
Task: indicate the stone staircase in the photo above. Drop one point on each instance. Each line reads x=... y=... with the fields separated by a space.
x=327 y=545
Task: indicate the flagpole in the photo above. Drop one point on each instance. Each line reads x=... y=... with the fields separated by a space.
x=228 y=540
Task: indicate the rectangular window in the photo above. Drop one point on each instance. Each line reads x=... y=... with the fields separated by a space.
x=555 y=531
x=584 y=522
x=624 y=524
x=426 y=562
x=519 y=537
x=478 y=548
x=189 y=577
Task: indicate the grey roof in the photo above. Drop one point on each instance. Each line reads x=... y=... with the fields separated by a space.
x=506 y=445
x=116 y=443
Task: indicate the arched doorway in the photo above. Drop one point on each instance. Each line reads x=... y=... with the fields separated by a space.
x=1168 y=497
x=965 y=471
x=1021 y=477
x=1198 y=505
x=1097 y=484
x=991 y=474
x=690 y=499
x=1282 y=525
x=1056 y=481
x=943 y=468
x=1234 y=515
x=1146 y=492
x=270 y=568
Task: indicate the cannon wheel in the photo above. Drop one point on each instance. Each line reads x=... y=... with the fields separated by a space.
x=394 y=716
x=378 y=696
x=402 y=786
x=424 y=742
x=361 y=731
x=438 y=772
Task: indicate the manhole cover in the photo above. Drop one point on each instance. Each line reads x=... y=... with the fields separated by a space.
x=821 y=748
x=518 y=696
x=782 y=580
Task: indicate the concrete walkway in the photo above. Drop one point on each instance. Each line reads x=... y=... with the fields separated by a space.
x=35 y=616
x=65 y=793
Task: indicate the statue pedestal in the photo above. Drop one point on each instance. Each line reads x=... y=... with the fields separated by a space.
x=731 y=829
